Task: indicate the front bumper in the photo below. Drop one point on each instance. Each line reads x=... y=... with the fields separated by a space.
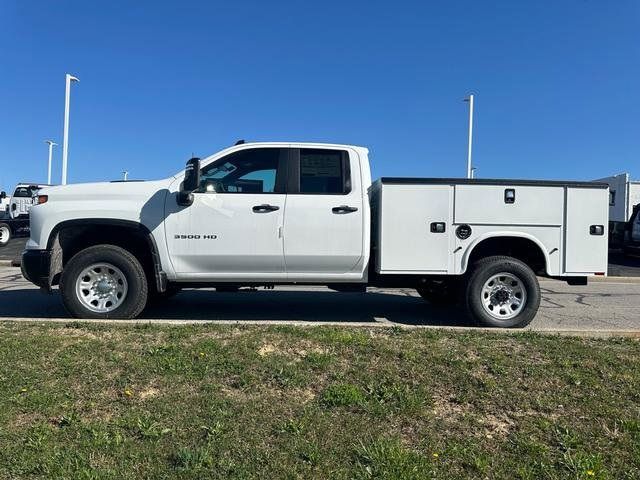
x=35 y=267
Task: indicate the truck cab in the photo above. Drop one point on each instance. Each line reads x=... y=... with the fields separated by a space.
x=306 y=213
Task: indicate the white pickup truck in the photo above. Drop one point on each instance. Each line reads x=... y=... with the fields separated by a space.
x=14 y=211
x=304 y=213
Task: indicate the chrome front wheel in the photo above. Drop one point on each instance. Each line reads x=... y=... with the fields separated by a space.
x=101 y=287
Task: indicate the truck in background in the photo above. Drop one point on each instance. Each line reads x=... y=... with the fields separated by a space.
x=624 y=194
x=4 y=205
x=631 y=240
x=14 y=219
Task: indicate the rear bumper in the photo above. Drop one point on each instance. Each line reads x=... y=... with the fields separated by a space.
x=35 y=266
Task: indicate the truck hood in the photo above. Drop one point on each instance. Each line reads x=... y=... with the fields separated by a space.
x=106 y=191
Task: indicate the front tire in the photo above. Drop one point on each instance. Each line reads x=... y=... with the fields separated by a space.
x=502 y=292
x=104 y=281
x=5 y=234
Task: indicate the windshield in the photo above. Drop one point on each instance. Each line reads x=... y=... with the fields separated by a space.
x=25 y=192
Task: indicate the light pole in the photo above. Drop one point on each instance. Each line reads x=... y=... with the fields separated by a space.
x=469 y=167
x=65 y=137
x=125 y=175
x=51 y=145
x=473 y=172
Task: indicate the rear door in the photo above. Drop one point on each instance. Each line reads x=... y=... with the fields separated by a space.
x=323 y=225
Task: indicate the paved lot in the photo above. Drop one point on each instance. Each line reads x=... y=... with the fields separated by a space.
x=623 y=266
x=600 y=306
x=13 y=250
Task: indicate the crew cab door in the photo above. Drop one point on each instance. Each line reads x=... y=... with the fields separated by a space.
x=323 y=226
x=233 y=229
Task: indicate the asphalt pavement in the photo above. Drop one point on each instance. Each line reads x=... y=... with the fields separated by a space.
x=12 y=251
x=608 y=305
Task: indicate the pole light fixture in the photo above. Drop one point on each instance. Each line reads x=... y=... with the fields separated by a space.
x=469 y=165
x=65 y=137
x=51 y=144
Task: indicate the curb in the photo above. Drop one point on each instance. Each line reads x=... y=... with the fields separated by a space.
x=9 y=263
x=379 y=323
x=612 y=279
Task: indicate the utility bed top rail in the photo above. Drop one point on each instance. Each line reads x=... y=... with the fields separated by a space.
x=489 y=181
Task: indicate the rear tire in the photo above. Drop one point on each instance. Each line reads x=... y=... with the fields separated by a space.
x=502 y=292
x=5 y=234
x=104 y=281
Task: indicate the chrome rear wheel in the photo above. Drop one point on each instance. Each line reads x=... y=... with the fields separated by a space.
x=504 y=296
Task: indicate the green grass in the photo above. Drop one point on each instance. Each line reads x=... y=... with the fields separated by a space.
x=84 y=401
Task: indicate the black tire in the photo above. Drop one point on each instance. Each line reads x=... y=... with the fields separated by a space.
x=482 y=271
x=136 y=296
x=440 y=293
x=5 y=234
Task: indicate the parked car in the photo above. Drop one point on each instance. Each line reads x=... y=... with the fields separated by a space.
x=15 y=220
x=306 y=213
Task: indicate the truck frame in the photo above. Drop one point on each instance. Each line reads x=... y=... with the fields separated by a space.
x=264 y=214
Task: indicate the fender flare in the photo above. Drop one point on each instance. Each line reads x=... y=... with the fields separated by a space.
x=53 y=244
x=503 y=234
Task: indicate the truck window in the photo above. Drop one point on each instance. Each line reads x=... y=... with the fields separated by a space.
x=257 y=170
x=24 y=192
x=324 y=171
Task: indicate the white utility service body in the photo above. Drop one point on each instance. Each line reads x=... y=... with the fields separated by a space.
x=305 y=213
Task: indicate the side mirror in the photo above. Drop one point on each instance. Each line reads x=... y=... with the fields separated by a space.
x=3 y=195
x=190 y=183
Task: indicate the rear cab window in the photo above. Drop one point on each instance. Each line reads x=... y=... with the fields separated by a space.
x=324 y=171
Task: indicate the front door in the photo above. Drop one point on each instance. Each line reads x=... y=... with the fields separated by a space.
x=323 y=229
x=233 y=229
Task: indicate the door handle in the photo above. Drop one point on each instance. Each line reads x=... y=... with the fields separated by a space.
x=265 y=208
x=344 y=209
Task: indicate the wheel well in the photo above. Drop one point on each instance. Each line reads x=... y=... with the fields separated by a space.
x=71 y=239
x=517 y=247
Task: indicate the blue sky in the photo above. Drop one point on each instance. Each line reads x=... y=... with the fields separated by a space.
x=557 y=84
